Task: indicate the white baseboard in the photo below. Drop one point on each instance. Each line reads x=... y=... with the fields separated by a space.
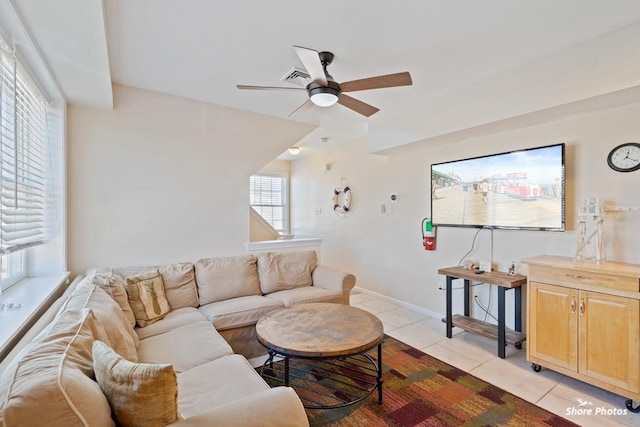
x=401 y=303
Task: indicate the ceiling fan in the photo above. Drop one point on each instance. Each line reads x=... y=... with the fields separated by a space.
x=324 y=91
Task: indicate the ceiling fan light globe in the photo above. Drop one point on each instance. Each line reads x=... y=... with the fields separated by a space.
x=324 y=99
x=324 y=96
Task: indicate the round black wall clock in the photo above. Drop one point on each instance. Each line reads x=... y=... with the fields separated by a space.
x=625 y=157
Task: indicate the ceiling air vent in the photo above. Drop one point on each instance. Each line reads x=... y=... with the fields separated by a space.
x=297 y=77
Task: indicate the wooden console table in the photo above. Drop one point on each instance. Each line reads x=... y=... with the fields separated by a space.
x=504 y=282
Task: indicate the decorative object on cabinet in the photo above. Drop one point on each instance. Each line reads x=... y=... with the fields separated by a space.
x=583 y=320
x=591 y=218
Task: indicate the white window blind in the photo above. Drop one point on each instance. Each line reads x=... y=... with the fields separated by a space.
x=268 y=196
x=22 y=148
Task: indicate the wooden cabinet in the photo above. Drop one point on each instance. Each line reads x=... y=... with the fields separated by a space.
x=583 y=320
x=609 y=350
x=552 y=325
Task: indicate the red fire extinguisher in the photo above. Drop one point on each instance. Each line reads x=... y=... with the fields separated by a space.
x=428 y=235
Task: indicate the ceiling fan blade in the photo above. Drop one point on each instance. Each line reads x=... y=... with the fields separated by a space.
x=311 y=61
x=269 y=87
x=389 y=80
x=357 y=106
x=301 y=109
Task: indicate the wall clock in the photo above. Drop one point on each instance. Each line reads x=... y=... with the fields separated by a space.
x=625 y=157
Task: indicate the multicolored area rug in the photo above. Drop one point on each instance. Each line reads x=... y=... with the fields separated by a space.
x=420 y=390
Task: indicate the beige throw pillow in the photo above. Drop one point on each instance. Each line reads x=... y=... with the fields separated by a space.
x=284 y=271
x=147 y=297
x=140 y=394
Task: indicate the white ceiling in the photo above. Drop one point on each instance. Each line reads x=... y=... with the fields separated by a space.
x=473 y=62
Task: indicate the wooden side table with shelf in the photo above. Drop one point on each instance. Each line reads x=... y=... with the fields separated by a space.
x=500 y=332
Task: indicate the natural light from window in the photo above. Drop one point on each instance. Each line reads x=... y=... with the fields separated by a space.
x=32 y=189
x=24 y=171
x=14 y=268
x=268 y=196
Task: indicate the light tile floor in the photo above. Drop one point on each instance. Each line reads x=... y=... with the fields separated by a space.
x=477 y=355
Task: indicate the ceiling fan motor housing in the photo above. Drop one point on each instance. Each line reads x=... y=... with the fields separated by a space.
x=326 y=58
x=331 y=87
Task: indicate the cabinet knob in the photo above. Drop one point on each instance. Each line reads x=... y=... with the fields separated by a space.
x=582 y=307
x=573 y=305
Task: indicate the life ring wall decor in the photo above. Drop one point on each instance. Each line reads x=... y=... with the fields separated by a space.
x=342 y=198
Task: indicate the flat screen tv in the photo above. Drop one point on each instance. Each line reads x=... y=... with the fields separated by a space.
x=523 y=189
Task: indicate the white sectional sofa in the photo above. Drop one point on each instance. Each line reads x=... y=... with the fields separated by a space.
x=192 y=322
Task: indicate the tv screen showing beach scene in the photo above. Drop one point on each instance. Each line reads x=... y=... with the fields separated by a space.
x=523 y=189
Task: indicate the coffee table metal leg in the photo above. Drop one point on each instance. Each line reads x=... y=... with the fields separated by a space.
x=269 y=362
x=380 y=381
x=286 y=371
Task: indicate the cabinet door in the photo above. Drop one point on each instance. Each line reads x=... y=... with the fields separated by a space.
x=552 y=325
x=609 y=329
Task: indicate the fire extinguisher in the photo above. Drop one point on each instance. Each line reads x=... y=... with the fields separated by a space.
x=428 y=235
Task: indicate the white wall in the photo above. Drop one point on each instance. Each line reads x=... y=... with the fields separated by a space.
x=277 y=166
x=384 y=251
x=162 y=179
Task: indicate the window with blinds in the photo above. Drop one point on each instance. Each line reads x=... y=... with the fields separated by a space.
x=23 y=158
x=268 y=196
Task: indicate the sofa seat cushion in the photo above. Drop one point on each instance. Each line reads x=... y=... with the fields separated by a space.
x=224 y=278
x=287 y=270
x=306 y=295
x=184 y=347
x=50 y=382
x=175 y=319
x=239 y=312
x=221 y=381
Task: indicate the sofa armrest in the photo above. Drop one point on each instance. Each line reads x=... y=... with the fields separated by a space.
x=334 y=280
x=279 y=406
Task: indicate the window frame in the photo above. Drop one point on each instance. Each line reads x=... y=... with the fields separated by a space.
x=23 y=161
x=14 y=269
x=284 y=197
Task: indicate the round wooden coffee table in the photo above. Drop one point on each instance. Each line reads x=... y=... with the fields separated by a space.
x=323 y=349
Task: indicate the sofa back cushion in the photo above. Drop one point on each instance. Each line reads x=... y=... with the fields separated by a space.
x=284 y=271
x=180 y=285
x=147 y=297
x=120 y=333
x=224 y=278
x=115 y=286
x=50 y=382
